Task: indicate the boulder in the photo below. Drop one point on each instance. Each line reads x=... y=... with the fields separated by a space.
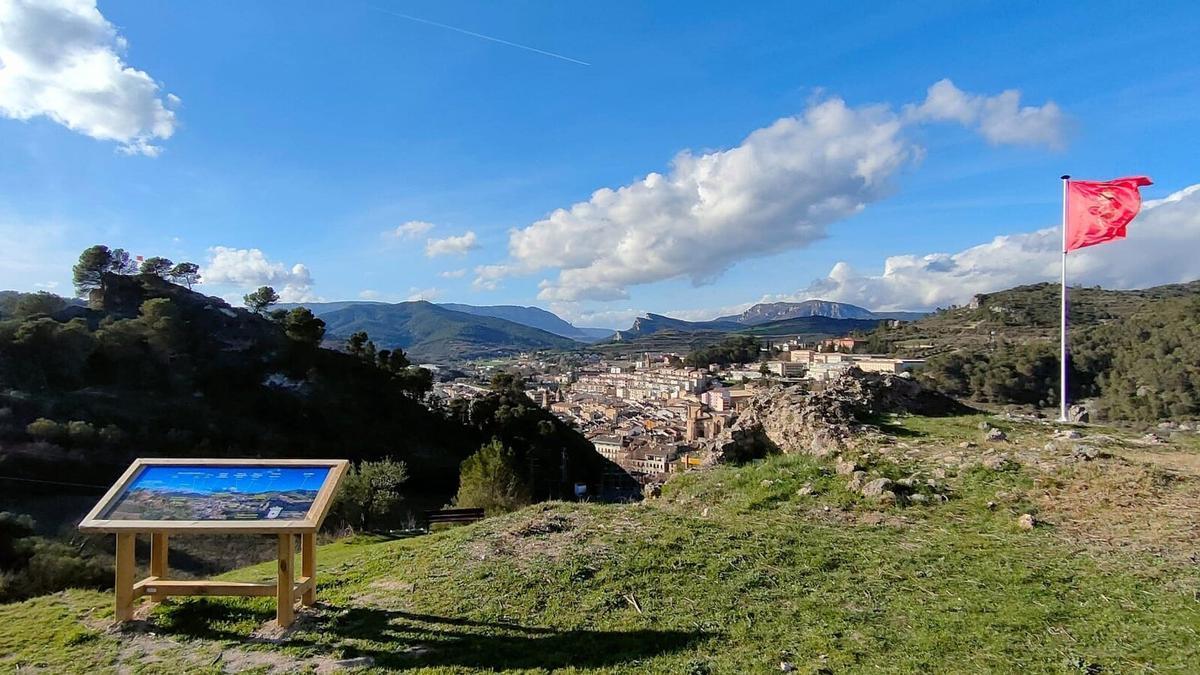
x=845 y=467
x=856 y=481
x=793 y=419
x=1026 y=521
x=877 y=487
x=1085 y=453
x=995 y=436
x=1078 y=414
x=805 y=490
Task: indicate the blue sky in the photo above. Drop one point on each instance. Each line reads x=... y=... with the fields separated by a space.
x=305 y=134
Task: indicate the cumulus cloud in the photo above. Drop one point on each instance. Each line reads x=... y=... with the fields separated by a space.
x=779 y=189
x=453 y=274
x=413 y=229
x=249 y=268
x=1160 y=249
x=428 y=294
x=61 y=59
x=459 y=245
x=1000 y=119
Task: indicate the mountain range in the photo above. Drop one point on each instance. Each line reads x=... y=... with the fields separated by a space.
x=430 y=332
x=765 y=312
x=437 y=332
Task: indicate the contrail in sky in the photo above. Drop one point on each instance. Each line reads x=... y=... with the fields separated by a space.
x=479 y=35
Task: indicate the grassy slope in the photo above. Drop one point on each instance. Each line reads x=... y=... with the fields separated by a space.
x=731 y=571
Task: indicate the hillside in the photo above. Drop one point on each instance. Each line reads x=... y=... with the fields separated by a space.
x=429 y=332
x=535 y=317
x=161 y=371
x=738 y=569
x=655 y=323
x=1026 y=313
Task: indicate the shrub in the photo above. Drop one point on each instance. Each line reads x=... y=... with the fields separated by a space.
x=44 y=429
x=371 y=492
x=489 y=480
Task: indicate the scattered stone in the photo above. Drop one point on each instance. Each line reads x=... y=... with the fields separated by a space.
x=767 y=482
x=939 y=473
x=654 y=491
x=845 y=467
x=985 y=425
x=997 y=462
x=966 y=445
x=887 y=498
x=1026 y=521
x=358 y=662
x=1069 y=434
x=1167 y=425
x=877 y=487
x=918 y=498
x=995 y=436
x=787 y=666
x=805 y=490
x=704 y=513
x=1187 y=426
x=856 y=481
x=1085 y=453
x=991 y=506
x=1152 y=439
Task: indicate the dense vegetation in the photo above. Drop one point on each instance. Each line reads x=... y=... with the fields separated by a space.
x=1133 y=351
x=736 y=349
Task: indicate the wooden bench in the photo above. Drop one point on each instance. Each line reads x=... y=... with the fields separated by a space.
x=453 y=516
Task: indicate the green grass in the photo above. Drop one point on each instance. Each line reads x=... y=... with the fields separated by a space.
x=730 y=571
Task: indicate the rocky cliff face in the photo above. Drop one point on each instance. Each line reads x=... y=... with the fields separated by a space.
x=794 y=420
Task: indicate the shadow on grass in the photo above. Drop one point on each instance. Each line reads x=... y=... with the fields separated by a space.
x=887 y=425
x=398 y=639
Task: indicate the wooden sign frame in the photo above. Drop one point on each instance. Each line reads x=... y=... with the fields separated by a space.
x=286 y=589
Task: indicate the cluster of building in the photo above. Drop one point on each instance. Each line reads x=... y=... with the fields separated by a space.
x=649 y=415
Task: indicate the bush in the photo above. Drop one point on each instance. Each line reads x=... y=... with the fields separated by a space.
x=371 y=492
x=44 y=429
x=489 y=480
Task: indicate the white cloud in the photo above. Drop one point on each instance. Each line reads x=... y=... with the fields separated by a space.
x=248 y=268
x=369 y=294
x=62 y=59
x=411 y=230
x=1160 y=249
x=428 y=294
x=1000 y=118
x=778 y=190
x=453 y=274
x=459 y=245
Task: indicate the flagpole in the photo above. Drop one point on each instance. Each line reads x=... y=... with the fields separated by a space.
x=1062 y=379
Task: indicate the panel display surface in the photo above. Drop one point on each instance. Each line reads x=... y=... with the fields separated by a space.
x=219 y=493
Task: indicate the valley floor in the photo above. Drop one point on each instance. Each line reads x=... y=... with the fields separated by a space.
x=737 y=570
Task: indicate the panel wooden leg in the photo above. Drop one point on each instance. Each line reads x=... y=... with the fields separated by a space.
x=123 y=583
x=158 y=559
x=283 y=585
x=308 y=566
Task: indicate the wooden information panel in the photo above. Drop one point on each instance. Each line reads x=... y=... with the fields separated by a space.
x=161 y=497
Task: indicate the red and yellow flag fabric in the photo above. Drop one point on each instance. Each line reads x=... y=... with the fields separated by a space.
x=1098 y=211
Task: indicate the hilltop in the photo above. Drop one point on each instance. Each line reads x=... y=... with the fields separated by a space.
x=1027 y=313
x=782 y=562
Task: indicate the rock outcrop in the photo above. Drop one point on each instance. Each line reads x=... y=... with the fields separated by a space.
x=795 y=420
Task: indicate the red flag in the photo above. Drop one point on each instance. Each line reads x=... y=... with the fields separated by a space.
x=1098 y=211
